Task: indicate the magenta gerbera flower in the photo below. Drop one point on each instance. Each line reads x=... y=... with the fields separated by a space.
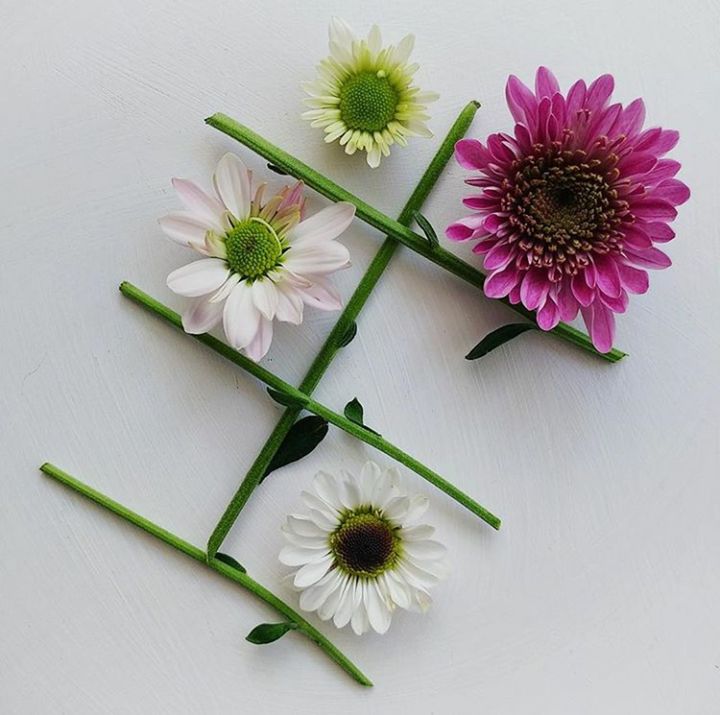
x=572 y=205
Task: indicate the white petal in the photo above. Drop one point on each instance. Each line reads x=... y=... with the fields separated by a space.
x=344 y=610
x=322 y=519
x=374 y=156
x=398 y=590
x=414 y=533
x=374 y=40
x=327 y=489
x=290 y=304
x=313 y=501
x=306 y=542
x=368 y=476
x=384 y=491
x=350 y=492
x=426 y=549
x=257 y=348
x=241 y=318
x=265 y=297
x=418 y=506
x=325 y=225
x=201 y=316
x=303 y=526
x=405 y=47
x=321 y=295
x=225 y=289
x=198 y=203
x=311 y=573
x=360 y=622
x=315 y=596
x=317 y=258
x=396 y=508
x=232 y=183
x=184 y=228
x=438 y=569
x=340 y=32
x=292 y=555
x=415 y=576
x=327 y=610
x=379 y=614
x=198 y=278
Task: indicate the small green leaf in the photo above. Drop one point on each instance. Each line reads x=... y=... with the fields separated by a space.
x=427 y=229
x=282 y=398
x=230 y=561
x=301 y=439
x=277 y=169
x=355 y=413
x=269 y=632
x=349 y=336
x=497 y=338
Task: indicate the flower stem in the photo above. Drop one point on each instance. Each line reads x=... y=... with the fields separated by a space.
x=303 y=401
x=222 y=568
x=334 y=341
x=393 y=229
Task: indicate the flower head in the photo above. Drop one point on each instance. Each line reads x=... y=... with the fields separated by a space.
x=361 y=551
x=572 y=205
x=364 y=96
x=263 y=260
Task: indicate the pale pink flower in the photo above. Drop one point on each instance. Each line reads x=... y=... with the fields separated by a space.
x=572 y=205
x=263 y=261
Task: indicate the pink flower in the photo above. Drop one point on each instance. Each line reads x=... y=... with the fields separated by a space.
x=572 y=205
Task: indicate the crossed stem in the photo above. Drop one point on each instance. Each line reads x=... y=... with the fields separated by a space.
x=302 y=401
x=229 y=572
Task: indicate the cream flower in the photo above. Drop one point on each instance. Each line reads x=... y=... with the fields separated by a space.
x=360 y=550
x=364 y=96
x=263 y=261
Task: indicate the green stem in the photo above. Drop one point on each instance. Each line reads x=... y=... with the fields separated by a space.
x=349 y=314
x=222 y=568
x=303 y=401
x=391 y=228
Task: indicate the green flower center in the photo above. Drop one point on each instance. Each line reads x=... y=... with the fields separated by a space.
x=253 y=248
x=365 y=544
x=368 y=101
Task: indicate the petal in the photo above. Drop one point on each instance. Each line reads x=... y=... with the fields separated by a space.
x=260 y=344
x=292 y=555
x=327 y=489
x=325 y=225
x=232 y=183
x=265 y=297
x=659 y=232
x=317 y=258
x=311 y=573
x=321 y=295
x=290 y=304
x=549 y=315
x=241 y=319
x=184 y=228
x=546 y=85
x=634 y=279
x=471 y=154
x=303 y=526
x=198 y=278
x=649 y=258
x=601 y=325
x=327 y=609
x=418 y=506
x=369 y=475
x=426 y=549
x=199 y=204
x=582 y=292
x=312 y=598
x=500 y=283
x=379 y=615
x=673 y=191
x=344 y=609
x=567 y=303
x=599 y=92
x=608 y=277
x=521 y=101
x=201 y=316
x=534 y=288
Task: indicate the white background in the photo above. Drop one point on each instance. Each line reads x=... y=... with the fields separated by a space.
x=600 y=593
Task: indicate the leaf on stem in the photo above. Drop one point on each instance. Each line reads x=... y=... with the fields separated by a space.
x=301 y=439
x=230 y=561
x=269 y=632
x=355 y=413
x=349 y=336
x=427 y=229
x=282 y=398
x=497 y=338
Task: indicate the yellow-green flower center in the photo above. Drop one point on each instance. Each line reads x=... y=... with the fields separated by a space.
x=368 y=101
x=253 y=248
x=365 y=544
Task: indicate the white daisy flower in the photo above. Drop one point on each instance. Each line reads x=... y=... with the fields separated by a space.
x=364 y=96
x=360 y=550
x=263 y=261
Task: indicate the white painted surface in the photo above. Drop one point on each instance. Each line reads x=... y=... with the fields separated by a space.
x=600 y=594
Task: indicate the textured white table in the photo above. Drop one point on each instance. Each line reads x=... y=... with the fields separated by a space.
x=601 y=592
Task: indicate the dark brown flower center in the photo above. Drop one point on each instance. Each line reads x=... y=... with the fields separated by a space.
x=563 y=206
x=364 y=544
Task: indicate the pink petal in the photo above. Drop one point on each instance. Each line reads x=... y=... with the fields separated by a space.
x=500 y=283
x=534 y=288
x=326 y=225
x=201 y=316
x=548 y=316
x=617 y=304
x=652 y=208
x=633 y=117
x=608 y=276
x=521 y=101
x=471 y=154
x=567 y=303
x=465 y=228
x=203 y=207
x=664 y=169
x=582 y=292
x=198 y=278
x=241 y=319
x=649 y=258
x=232 y=183
x=636 y=237
x=673 y=191
x=545 y=83
x=260 y=344
x=599 y=92
x=514 y=295
x=601 y=325
x=659 y=232
x=633 y=279
x=482 y=202
x=499 y=256
x=321 y=295
x=576 y=98
x=656 y=140
x=636 y=163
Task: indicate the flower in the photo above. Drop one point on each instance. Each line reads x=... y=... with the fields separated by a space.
x=263 y=260
x=572 y=205
x=361 y=551
x=364 y=96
